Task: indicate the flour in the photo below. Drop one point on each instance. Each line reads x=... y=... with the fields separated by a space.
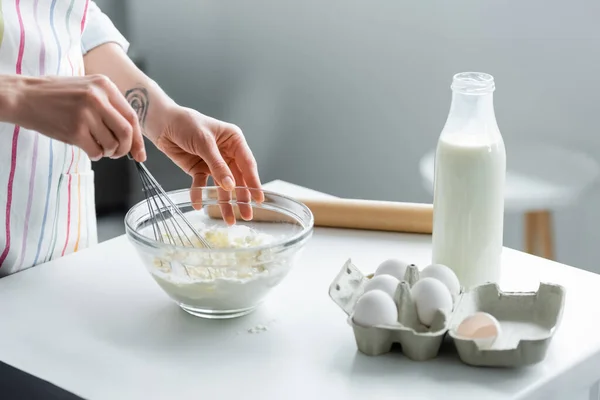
x=222 y=281
x=258 y=329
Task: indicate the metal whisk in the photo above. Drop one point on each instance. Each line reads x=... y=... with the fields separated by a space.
x=164 y=213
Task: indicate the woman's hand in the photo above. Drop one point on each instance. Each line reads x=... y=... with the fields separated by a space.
x=203 y=146
x=88 y=112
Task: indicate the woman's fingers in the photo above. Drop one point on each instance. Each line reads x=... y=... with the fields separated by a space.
x=224 y=197
x=253 y=181
x=219 y=169
x=89 y=144
x=242 y=195
x=121 y=130
x=246 y=164
x=138 y=148
x=106 y=103
x=199 y=181
x=136 y=141
x=104 y=136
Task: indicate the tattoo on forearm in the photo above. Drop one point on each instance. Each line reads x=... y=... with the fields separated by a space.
x=139 y=101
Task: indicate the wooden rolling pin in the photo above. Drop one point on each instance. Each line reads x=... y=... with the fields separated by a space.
x=357 y=214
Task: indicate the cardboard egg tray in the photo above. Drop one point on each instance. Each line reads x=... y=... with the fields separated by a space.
x=527 y=320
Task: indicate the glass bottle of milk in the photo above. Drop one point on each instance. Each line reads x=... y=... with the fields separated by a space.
x=470 y=170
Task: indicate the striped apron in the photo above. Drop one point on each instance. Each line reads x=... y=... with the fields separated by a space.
x=47 y=207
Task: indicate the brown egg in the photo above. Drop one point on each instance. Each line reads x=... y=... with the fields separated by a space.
x=481 y=327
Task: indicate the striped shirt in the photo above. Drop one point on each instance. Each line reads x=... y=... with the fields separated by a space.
x=47 y=207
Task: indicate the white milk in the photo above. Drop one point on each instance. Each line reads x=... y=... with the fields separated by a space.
x=470 y=169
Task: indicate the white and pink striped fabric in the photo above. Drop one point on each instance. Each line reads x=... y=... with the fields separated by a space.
x=47 y=207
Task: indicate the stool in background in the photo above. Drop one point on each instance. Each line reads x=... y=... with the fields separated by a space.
x=540 y=179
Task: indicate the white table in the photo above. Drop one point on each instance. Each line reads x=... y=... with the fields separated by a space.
x=96 y=324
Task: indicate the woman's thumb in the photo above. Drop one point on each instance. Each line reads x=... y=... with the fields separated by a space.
x=138 y=149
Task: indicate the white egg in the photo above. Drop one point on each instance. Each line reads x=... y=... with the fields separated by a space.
x=393 y=267
x=375 y=308
x=430 y=295
x=443 y=274
x=385 y=283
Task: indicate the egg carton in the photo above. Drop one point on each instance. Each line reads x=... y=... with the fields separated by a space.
x=527 y=320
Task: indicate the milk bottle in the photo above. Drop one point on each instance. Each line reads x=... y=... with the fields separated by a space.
x=470 y=170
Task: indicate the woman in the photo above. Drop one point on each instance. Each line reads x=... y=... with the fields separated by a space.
x=68 y=94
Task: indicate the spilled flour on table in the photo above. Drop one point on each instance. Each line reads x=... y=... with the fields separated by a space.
x=259 y=328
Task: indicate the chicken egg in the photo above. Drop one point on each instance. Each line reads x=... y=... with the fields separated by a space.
x=480 y=327
x=430 y=295
x=443 y=274
x=393 y=267
x=375 y=307
x=385 y=283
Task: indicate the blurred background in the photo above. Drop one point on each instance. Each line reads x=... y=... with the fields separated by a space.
x=347 y=96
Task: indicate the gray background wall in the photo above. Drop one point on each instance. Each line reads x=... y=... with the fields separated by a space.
x=345 y=96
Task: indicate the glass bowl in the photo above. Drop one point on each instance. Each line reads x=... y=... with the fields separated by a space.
x=245 y=261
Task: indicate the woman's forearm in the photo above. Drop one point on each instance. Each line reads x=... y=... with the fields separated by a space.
x=11 y=88
x=147 y=99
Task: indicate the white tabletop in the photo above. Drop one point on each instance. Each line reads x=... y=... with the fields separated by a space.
x=96 y=324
